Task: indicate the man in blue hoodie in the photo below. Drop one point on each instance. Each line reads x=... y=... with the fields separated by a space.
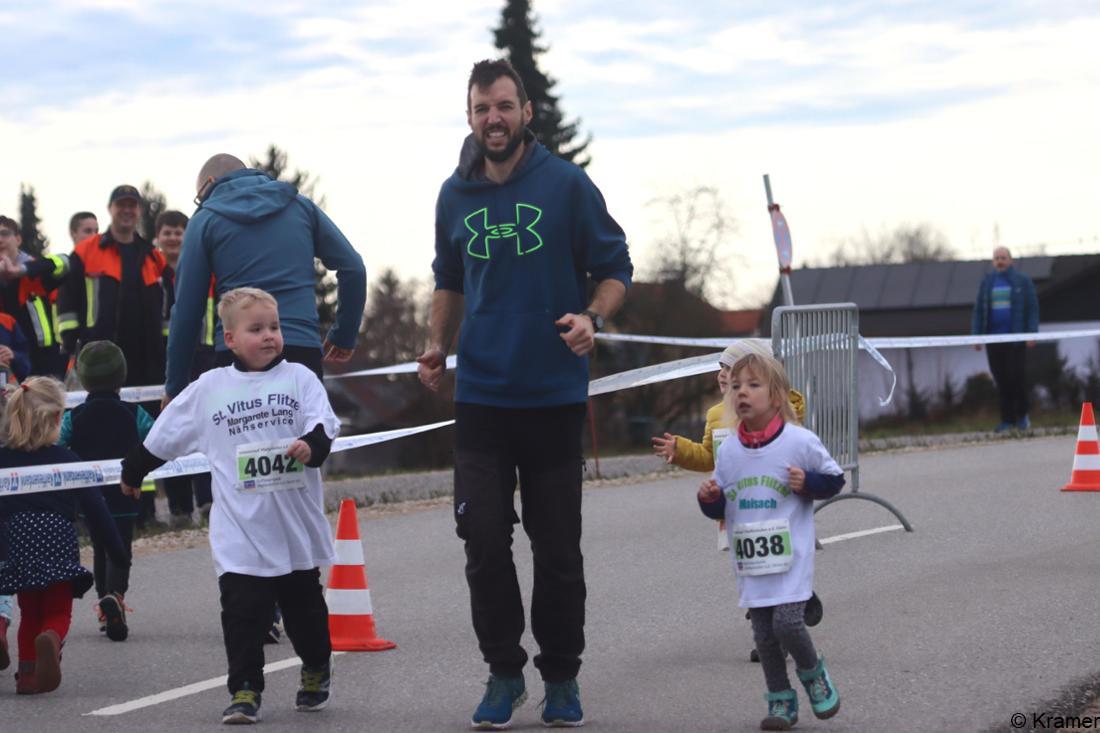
x=252 y=231
x=518 y=233
x=1007 y=303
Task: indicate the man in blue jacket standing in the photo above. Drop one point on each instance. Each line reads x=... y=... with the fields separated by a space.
x=518 y=233
x=1007 y=303
x=252 y=231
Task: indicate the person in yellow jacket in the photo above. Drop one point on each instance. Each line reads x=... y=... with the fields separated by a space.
x=686 y=453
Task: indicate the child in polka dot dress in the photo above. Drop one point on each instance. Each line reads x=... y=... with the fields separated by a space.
x=39 y=554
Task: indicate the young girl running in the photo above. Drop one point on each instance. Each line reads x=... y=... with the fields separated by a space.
x=37 y=540
x=764 y=485
x=686 y=453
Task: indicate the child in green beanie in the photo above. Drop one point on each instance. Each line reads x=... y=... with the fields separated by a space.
x=102 y=428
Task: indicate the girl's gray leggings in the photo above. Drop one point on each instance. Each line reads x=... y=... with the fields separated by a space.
x=776 y=628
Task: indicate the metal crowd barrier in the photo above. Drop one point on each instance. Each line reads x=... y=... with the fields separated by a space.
x=819 y=347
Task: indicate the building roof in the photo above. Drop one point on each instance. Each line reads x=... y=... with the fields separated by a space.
x=936 y=298
x=910 y=285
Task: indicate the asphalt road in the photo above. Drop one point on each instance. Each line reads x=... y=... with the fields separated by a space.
x=988 y=609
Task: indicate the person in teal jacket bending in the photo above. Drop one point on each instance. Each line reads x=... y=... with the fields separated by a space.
x=252 y=231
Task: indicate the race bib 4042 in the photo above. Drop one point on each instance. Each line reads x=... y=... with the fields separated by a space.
x=264 y=467
x=763 y=548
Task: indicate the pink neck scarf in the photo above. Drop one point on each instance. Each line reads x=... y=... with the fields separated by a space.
x=757 y=438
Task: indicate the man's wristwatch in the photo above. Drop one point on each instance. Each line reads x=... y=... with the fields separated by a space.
x=596 y=318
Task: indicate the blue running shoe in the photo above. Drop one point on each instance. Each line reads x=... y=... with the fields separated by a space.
x=1003 y=427
x=823 y=696
x=502 y=696
x=782 y=710
x=1024 y=423
x=561 y=708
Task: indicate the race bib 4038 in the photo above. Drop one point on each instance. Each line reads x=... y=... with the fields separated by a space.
x=264 y=467
x=763 y=548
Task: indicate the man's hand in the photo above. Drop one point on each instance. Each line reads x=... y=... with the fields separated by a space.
x=709 y=491
x=6 y=355
x=1031 y=344
x=796 y=479
x=300 y=449
x=581 y=336
x=164 y=402
x=977 y=347
x=432 y=364
x=665 y=447
x=130 y=490
x=334 y=354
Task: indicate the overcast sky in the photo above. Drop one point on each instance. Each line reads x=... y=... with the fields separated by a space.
x=980 y=118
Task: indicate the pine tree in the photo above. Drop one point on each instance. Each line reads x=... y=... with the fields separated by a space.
x=276 y=164
x=154 y=203
x=34 y=242
x=518 y=38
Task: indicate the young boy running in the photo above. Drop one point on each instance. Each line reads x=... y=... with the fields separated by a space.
x=265 y=425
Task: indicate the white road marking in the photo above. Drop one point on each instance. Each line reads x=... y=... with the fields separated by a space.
x=192 y=689
x=861 y=533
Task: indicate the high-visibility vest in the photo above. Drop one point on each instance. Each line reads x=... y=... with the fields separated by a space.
x=100 y=262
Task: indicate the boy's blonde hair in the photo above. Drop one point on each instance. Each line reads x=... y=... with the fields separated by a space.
x=33 y=413
x=237 y=300
x=772 y=373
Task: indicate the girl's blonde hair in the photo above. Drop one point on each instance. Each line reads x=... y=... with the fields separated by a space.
x=32 y=414
x=771 y=372
x=238 y=299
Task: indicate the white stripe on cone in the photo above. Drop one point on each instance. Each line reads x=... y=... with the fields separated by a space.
x=349 y=552
x=348 y=602
x=1087 y=432
x=1086 y=463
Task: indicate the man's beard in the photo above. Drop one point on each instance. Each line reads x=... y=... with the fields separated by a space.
x=499 y=156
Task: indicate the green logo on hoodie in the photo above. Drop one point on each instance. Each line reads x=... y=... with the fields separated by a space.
x=482 y=233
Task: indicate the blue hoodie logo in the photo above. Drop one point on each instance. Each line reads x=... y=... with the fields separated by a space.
x=482 y=233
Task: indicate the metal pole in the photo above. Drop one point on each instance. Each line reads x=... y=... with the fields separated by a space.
x=784 y=277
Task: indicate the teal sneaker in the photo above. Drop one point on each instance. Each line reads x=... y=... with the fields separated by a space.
x=561 y=708
x=502 y=696
x=782 y=710
x=243 y=709
x=823 y=696
x=1003 y=427
x=1024 y=423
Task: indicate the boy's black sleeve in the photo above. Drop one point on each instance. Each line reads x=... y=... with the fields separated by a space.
x=714 y=509
x=137 y=463
x=823 y=485
x=320 y=445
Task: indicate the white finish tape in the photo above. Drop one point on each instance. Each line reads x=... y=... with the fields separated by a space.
x=879 y=342
x=61 y=476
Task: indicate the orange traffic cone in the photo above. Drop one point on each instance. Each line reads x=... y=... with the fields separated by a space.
x=350 y=616
x=1086 y=461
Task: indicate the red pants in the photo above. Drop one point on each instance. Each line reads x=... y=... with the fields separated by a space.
x=41 y=610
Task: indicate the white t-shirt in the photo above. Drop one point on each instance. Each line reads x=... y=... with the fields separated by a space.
x=265 y=534
x=754 y=481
